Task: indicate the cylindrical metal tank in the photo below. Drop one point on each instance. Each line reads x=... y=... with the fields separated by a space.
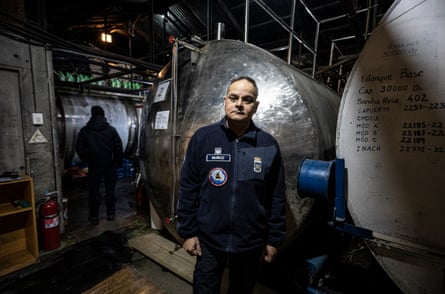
x=74 y=111
x=298 y=110
x=391 y=134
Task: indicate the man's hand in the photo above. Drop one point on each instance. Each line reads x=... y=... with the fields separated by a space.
x=270 y=253
x=192 y=246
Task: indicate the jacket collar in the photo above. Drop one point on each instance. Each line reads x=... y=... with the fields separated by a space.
x=250 y=134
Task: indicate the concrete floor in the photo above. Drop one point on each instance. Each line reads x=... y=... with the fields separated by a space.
x=130 y=217
x=135 y=220
x=79 y=228
x=131 y=221
x=286 y=273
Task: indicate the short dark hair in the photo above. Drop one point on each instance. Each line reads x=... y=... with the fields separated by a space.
x=97 y=111
x=247 y=78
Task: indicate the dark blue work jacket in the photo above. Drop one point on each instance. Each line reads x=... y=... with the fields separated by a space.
x=232 y=190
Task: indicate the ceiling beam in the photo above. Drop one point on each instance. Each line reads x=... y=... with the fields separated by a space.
x=353 y=21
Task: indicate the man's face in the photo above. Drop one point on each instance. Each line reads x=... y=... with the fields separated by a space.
x=240 y=102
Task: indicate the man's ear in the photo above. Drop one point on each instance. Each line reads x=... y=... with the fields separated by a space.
x=256 y=106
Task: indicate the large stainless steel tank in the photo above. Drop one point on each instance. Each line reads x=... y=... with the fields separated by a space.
x=391 y=133
x=299 y=111
x=74 y=111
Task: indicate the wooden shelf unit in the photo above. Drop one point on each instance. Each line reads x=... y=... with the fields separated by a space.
x=18 y=226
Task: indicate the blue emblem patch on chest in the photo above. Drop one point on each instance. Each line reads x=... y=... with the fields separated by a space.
x=218 y=176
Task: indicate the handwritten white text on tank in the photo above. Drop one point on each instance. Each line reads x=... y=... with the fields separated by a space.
x=393 y=88
x=368 y=118
x=406 y=74
x=362 y=126
x=366 y=126
x=368 y=101
x=368 y=148
x=390 y=100
x=373 y=109
x=364 y=133
x=364 y=90
x=373 y=78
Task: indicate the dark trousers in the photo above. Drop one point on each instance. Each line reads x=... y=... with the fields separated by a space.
x=210 y=266
x=95 y=177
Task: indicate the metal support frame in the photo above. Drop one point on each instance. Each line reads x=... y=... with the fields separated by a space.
x=366 y=33
x=339 y=222
x=340 y=203
x=290 y=29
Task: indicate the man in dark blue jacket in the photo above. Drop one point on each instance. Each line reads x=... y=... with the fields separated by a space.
x=231 y=207
x=99 y=145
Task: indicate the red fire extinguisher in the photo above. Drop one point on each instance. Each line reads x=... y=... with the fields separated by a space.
x=50 y=224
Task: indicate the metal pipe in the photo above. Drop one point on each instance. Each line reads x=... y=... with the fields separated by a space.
x=340 y=73
x=188 y=46
x=246 y=22
x=292 y=22
x=198 y=40
x=308 y=10
x=209 y=19
x=113 y=59
x=331 y=52
x=174 y=111
x=164 y=34
x=368 y=16
x=221 y=31
x=314 y=63
x=54 y=141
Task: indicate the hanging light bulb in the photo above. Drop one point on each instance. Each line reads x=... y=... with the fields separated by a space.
x=106 y=38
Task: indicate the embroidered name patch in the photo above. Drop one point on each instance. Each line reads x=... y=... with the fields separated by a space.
x=218 y=176
x=218 y=157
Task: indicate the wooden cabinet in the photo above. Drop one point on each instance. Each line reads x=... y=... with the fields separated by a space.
x=18 y=225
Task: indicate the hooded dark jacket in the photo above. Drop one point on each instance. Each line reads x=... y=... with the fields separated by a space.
x=99 y=144
x=232 y=190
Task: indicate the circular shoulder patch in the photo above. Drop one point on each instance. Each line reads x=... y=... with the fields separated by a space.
x=218 y=176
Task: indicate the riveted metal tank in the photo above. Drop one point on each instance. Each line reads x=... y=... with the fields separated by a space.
x=391 y=134
x=297 y=110
x=74 y=111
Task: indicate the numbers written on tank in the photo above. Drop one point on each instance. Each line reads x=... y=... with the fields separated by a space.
x=423 y=125
x=433 y=133
x=407 y=148
x=417 y=98
x=413 y=140
x=429 y=106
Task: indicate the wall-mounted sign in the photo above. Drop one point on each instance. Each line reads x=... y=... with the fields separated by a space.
x=161 y=91
x=161 y=120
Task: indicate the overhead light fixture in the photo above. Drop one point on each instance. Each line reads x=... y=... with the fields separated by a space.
x=106 y=38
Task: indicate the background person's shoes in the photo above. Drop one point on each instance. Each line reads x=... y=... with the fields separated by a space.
x=94 y=220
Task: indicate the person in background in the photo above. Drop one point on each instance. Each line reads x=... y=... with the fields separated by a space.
x=231 y=206
x=99 y=145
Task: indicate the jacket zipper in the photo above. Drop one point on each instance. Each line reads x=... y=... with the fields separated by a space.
x=234 y=187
